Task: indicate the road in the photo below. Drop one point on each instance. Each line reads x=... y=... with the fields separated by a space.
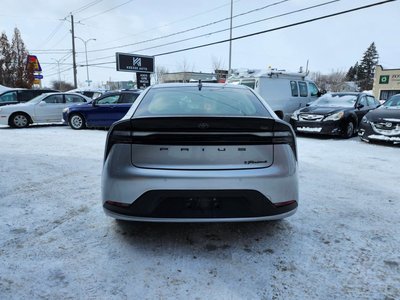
x=56 y=242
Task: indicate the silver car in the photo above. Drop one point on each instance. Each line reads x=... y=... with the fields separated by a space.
x=200 y=153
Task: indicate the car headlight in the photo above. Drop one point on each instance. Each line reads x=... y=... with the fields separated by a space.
x=295 y=115
x=335 y=117
x=365 y=120
x=66 y=110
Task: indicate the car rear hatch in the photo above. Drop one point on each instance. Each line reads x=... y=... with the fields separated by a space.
x=203 y=143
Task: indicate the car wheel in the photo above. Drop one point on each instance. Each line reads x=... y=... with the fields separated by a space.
x=76 y=121
x=349 y=130
x=19 y=120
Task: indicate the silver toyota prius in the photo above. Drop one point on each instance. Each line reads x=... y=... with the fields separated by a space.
x=200 y=153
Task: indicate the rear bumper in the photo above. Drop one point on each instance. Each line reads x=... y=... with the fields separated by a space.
x=201 y=205
x=126 y=185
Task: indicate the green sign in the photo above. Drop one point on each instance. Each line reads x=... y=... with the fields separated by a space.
x=384 y=79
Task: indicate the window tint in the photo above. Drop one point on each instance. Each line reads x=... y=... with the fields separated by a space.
x=73 y=99
x=294 y=88
x=248 y=82
x=313 y=89
x=54 y=99
x=108 y=100
x=9 y=97
x=128 y=98
x=303 y=89
x=363 y=101
x=208 y=101
x=372 y=101
x=24 y=96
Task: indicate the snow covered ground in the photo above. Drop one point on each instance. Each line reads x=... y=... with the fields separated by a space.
x=56 y=242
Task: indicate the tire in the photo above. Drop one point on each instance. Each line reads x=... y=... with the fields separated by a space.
x=77 y=121
x=19 y=120
x=348 y=130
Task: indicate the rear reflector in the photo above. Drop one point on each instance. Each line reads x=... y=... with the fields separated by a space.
x=285 y=203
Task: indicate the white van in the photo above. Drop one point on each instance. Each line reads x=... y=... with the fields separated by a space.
x=285 y=92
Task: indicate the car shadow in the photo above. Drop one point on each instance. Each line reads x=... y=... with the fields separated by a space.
x=259 y=237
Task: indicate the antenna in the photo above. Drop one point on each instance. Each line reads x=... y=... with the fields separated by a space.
x=200 y=85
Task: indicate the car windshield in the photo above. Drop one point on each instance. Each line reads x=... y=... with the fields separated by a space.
x=207 y=101
x=39 y=98
x=392 y=103
x=335 y=100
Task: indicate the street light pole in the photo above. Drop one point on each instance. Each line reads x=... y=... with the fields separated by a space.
x=230 y=41
x=87 y=64
x=59 y=73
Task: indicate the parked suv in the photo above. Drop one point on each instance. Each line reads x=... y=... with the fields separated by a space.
x=284 y=92
x=102 y=111
x=15 y=96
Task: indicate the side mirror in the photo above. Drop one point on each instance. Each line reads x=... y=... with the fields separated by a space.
x=41 y=103
x=359 y=106
x=94 y=103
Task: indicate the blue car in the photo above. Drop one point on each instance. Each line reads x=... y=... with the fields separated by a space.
x=101 y=112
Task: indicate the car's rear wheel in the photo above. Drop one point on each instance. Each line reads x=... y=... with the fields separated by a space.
x=349 y=130
x=76 y=121
x=19 y=120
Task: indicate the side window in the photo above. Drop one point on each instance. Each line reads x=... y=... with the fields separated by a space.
x=128 y=98
x=73 y=99
x=372 y=101
x=9 y=97
x=249 y=82
x=294 y=88
x=303 y=89
x=108 y=100
x=55 y=99
x=24 y=96
x=363 y=101
x=313 y=89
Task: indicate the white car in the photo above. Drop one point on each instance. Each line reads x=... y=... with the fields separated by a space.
x=46 y=108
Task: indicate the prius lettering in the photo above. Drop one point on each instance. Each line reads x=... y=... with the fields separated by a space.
x=241 y=149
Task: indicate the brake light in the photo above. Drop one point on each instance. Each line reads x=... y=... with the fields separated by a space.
x=119 y=133
x=284 y=134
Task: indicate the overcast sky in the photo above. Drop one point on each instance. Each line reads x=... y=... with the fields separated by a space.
x=127 y=26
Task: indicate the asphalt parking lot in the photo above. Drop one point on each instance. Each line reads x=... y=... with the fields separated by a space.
x=56 y=242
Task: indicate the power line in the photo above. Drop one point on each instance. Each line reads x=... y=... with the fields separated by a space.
x=168 y=24
x=223 y=30
x=268 y=30
x=106 y=11
x=193 y=28
x=85 y=7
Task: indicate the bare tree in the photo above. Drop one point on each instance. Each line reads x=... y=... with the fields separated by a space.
x=160 y=71
x=334 y=82
x=217 y=64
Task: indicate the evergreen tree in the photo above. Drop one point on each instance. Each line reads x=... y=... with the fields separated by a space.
x=14 y=69
x=367 y=68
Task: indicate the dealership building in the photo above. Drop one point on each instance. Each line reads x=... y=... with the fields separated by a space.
x=386 y=83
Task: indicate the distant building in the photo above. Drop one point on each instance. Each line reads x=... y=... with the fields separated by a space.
x=120 y=85
x=386 y=83
x=189 y=77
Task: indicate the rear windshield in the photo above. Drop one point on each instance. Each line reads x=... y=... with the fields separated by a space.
x=207 y=101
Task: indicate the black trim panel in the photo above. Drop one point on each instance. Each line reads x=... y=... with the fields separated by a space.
x=201 y=204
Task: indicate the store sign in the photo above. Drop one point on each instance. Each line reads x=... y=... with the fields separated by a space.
x=142 y=80
x=34 y=63
x=134 y=63
x=384 y=79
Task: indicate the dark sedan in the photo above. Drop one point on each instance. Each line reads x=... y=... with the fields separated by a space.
x=101 y=112
x=382 y=124
x=334 y=114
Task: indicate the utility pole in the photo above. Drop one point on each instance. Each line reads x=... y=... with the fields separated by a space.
x=230 y=42
x=73 y=51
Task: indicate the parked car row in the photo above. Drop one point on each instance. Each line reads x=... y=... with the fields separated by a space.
x=345 y=114
x=73 y=109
